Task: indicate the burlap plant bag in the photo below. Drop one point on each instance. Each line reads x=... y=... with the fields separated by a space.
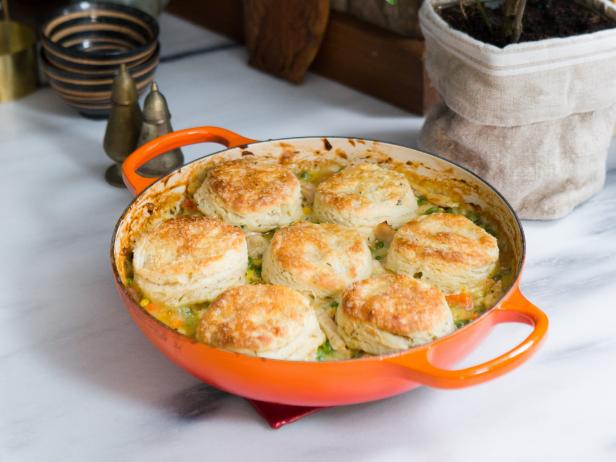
x=535 y=119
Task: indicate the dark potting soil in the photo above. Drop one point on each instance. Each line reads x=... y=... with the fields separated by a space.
x=543 y=19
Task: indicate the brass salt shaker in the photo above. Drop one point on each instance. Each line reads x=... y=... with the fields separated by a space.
x=123 y=125
x=157 y=122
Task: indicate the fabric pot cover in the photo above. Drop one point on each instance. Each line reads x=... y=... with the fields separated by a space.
x=535 y=119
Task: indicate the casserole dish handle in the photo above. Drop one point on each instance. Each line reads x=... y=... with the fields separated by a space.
x=137 y=183
x=419 y=364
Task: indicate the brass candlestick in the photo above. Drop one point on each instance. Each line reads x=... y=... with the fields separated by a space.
x=123 y=125
x=157 y=122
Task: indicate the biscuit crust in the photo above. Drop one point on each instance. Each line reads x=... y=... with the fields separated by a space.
x=256 y=195
x=319 y=259
x=262 y=320
x=388 y=312
x=448 y=250
x=191 y=254
x=396 y=303
x=365 y=195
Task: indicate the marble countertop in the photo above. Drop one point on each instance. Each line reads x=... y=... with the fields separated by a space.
x=78 y=382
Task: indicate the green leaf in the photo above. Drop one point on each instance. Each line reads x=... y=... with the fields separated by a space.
x=474 y=217
x=432 y=210
x=391 y=2
x=490 y=230
x=324 y=351
x=462 y=323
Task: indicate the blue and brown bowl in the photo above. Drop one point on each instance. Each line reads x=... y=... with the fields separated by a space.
x=84 y=45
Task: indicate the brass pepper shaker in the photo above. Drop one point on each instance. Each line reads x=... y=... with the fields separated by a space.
x=157 y=122
x=123 y=125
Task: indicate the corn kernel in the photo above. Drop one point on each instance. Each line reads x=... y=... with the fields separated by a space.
x=307 y=210
x=144 y=302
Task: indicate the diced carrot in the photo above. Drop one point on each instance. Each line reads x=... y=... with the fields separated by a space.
x=462 y=300
x=384 y=232
x=189 y=204
x=152 y=308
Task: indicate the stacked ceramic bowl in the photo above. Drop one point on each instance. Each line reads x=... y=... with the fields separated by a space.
x=84 y=45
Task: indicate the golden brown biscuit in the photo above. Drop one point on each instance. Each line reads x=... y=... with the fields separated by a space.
x=252 y=194
x=364 y=195
x=316 y=259
x=188 y=260
x=446 y=250
x=389 y=313
x=262 y=320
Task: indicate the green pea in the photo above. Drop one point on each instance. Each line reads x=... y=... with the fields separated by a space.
x=324 y=351
x=432 y=210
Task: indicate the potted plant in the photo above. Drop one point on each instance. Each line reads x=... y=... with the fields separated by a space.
x=528 y=100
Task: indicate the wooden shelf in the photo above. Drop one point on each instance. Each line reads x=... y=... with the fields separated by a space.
x=370 y=59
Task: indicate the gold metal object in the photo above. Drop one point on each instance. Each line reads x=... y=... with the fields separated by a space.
x=123 y=125
x=157 y=122
x=18 y=73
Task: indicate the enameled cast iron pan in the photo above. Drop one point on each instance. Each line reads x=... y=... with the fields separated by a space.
x=329 y=383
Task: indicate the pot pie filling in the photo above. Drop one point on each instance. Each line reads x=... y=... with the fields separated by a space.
x=465 y=303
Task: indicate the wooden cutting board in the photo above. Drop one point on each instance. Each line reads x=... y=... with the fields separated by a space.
x=283 y=37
